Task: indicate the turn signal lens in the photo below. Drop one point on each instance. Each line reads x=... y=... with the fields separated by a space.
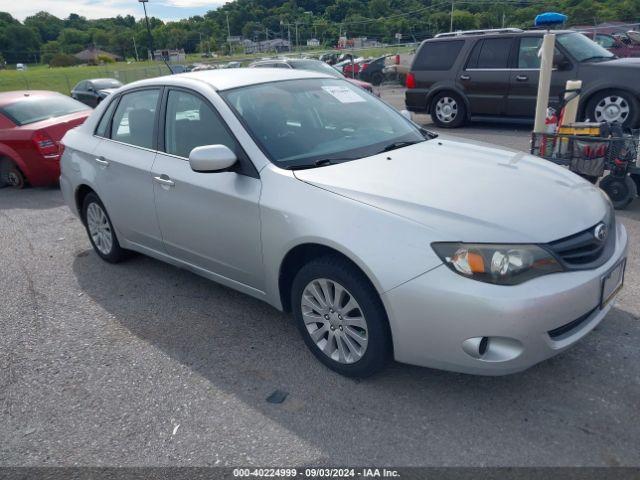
x=499 y=264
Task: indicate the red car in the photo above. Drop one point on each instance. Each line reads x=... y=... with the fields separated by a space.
x=31 y=126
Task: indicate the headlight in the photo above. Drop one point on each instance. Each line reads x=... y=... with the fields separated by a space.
x=499 y=264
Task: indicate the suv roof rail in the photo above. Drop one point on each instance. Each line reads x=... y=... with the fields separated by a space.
x=460 y=33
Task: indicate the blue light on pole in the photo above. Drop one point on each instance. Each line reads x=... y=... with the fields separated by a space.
x=548 y=19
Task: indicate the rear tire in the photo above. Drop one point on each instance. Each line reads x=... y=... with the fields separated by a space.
x=341 y=317
x=377 y=78
x=101 y=233
x=448 y=110
x=10 y=175
x=621 y=190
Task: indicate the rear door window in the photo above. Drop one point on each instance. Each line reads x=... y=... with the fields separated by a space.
x=134 y=118
x=438 y=55
x=491 y=53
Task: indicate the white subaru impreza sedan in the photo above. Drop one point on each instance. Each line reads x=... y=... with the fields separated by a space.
x=383 y=240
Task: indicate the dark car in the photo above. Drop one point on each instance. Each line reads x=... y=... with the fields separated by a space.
x=31 y=126
x=495 y=74
x=309 y=64
x=371 y=71
x=91 y=92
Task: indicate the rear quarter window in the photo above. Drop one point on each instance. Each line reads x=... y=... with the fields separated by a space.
x=437 y=55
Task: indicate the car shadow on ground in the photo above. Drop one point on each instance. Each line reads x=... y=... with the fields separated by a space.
x=248 y=349
x=30 y=198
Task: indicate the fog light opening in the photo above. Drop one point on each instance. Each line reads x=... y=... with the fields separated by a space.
x=492 y=349
x=482 y=348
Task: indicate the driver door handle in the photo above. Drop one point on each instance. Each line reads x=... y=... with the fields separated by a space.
x=465 y=77
x=522 y=78
x=164 y=180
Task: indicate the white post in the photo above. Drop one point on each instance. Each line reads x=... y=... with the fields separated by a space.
x=544 y=82
x=571 y=108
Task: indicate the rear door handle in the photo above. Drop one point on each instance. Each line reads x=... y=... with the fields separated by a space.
x=522 y=78
x=102 y=161
x=465 y=77
x=164 y=180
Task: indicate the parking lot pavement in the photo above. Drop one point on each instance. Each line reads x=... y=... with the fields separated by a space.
x=504 y=133
x=144 y=364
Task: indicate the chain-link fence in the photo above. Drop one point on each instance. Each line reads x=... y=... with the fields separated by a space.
x=64 y=81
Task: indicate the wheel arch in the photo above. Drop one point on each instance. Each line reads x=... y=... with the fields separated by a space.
x=300 y=255
x=448 y=88
x=79 y=195
x=7 y=154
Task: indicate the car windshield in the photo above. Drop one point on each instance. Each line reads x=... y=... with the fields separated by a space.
x=582 y=48
x=314 y=122
x=316 y=66
x=108 y=83
x=36 y=108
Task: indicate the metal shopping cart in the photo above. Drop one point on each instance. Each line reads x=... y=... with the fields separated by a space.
x=590 y=156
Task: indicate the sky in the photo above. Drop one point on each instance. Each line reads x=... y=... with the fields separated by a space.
x=164 y=9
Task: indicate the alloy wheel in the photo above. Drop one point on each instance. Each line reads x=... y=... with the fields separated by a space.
x=446 y=109
x=99 y=228
x=612 y=108
x=334 y=320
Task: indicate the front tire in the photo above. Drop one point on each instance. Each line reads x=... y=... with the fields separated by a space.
x=341 y=317
x=614 y=106
x=448 y=110
x=101 y=233
x=621 y=190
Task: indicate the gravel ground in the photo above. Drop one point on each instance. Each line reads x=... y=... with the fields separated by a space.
x=145 y=364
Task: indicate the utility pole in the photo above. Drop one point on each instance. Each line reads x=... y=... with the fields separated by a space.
x=228 y=34
x=135 y=48
x=451 y=26
x=289 y=34
x=297 y=42
x=146 y=19
x=503 y=18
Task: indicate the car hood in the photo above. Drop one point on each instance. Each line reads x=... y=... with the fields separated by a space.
x=626 y=62
x=104 y=92
x=466 y=191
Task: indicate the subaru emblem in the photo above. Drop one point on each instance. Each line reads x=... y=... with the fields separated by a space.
x=600 y=232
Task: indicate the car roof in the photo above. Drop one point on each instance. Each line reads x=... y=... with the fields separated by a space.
x=225 y=79
x=464 y=36
x=7 y=98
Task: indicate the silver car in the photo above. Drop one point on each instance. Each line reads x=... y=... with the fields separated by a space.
x=382 y=239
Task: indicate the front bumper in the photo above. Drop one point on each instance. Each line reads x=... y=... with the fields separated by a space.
x=433 y=315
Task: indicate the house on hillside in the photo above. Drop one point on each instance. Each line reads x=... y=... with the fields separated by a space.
x=313 y=42
x=276 y=45
x=168 y=55
x=92 y=54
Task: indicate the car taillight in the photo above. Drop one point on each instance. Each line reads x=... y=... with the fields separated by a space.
x=47 y=146
x=364 y=67
x=411 y=81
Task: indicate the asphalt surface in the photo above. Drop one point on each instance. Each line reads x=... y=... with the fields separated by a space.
x=144 y=364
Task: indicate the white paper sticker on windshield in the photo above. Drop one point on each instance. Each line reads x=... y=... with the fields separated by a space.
x=343 y=94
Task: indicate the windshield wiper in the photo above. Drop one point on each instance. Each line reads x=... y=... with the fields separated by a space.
x=323 y=162
x=396 y=145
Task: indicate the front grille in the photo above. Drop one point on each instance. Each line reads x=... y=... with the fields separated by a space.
x=583 y=250
x=558 y=333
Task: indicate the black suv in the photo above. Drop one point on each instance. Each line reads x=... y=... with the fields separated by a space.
x=490 y=73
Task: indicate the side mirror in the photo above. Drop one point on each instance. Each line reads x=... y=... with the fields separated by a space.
x=211 y=158
x=560 y=61
x=90 y=89
x=406 y=114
